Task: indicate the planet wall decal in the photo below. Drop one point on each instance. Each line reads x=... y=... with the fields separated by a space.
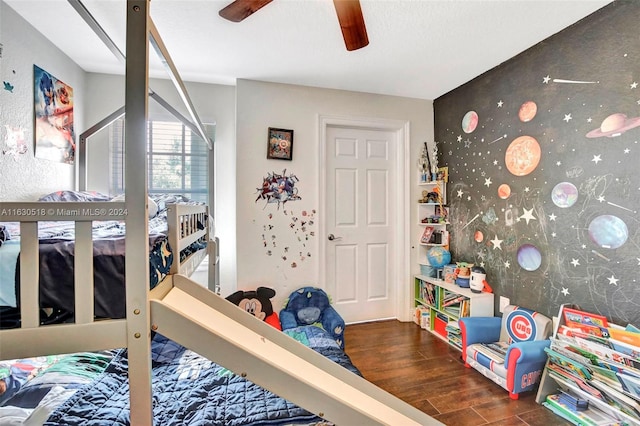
x=523 y=155
x=564 y=194
x=529 y=257
x=614 y=125
x=478 y=236
x=504 y=191
x=608 y=231
x=527 y=111
x=470 y=121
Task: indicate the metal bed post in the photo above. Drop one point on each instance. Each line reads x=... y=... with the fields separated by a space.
x=137 y=236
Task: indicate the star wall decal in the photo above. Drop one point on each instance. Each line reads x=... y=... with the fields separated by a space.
x=528 y=215
x=552 y=217
x=565 y=291
x=596 y=159
x=613 y=280
x=496 y=243
x=567 y=117
x=575 y=262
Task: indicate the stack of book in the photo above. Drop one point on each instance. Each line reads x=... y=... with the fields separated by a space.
x=599 y=362
x=454 y=335
x=455 y=304
x=428 y=293
x=577 y=410
x=496 y=351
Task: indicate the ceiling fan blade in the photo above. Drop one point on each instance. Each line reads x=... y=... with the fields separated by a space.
x=241 y=9
x=351 y=21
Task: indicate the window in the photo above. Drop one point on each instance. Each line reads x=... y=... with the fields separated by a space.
x=177 y=160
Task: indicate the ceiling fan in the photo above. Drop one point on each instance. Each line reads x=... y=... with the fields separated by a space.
x=349 y=13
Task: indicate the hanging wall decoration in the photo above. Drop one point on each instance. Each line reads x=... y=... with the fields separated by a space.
x=53 y=110
x=280 y=144
x=14 y=142
x=278 y=188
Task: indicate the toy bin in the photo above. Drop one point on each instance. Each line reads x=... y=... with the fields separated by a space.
x=440 y=326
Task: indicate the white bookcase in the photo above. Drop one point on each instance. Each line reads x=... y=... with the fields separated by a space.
x=432 y=295
x=433 y=215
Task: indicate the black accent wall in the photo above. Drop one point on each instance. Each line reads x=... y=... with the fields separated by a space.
x=544 y=187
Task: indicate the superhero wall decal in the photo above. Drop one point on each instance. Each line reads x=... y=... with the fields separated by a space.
x=287 y=231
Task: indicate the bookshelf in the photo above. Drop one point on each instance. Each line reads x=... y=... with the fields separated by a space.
x=596 y=361
x=432 y=217
x=444 y=303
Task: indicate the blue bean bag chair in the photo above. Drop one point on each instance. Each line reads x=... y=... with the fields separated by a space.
x=311 y=306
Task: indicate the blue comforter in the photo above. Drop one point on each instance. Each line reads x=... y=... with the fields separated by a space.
x=191 y=390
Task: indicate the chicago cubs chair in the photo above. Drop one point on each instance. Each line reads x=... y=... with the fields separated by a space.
x=507 y=350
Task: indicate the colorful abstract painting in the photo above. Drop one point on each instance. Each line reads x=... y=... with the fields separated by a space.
x=53 y=110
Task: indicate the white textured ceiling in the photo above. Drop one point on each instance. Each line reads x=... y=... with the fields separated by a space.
x=418 y=48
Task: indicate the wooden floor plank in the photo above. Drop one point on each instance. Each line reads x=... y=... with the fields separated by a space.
x=424 y=371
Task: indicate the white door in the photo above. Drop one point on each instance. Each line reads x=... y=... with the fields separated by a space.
x=361 y=211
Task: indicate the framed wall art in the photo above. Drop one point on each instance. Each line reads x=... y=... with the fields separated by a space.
x=280 y=144
x=53 y=108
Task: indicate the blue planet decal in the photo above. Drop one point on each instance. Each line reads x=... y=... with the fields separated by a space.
x=564 y=194
x=608 y=231
x=529 y=257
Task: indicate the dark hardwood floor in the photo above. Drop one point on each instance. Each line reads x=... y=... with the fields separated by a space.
x=427 y=373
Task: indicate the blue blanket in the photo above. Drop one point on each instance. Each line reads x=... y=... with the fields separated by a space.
x=191 y=390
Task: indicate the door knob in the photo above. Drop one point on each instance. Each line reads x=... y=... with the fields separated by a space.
x=332 y=237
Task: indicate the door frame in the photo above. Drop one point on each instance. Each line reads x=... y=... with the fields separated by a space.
x=402 y=257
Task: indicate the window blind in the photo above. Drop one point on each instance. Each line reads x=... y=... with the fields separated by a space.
x=177 y=160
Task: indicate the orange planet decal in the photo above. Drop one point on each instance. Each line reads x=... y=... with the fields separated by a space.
x=504 y=191
x=527 y=111
x=479 y=236
x=523 y=155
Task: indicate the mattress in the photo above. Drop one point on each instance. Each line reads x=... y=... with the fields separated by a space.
x=56 y=262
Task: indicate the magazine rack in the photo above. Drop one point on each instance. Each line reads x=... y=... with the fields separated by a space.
x=596 y=361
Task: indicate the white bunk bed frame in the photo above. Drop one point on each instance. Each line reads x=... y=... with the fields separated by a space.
x=178 y=308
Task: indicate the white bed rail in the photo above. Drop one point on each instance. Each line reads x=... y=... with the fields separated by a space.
x=189 y=224
x=32 y=339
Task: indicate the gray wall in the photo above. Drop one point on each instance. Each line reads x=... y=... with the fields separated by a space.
x=23 y=176
x=564 y=229
x=264 y=231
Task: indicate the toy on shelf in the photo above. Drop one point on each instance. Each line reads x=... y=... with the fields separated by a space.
x=463 y=274
x=478 y=282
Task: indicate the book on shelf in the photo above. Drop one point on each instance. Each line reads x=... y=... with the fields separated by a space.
x=426 y=234
x=453 y=300
x=606 y=353
x=567 y=363
x=578 y=318
x=618 y=399
x=630 y=385
x=589 y=416
x=625 y=336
